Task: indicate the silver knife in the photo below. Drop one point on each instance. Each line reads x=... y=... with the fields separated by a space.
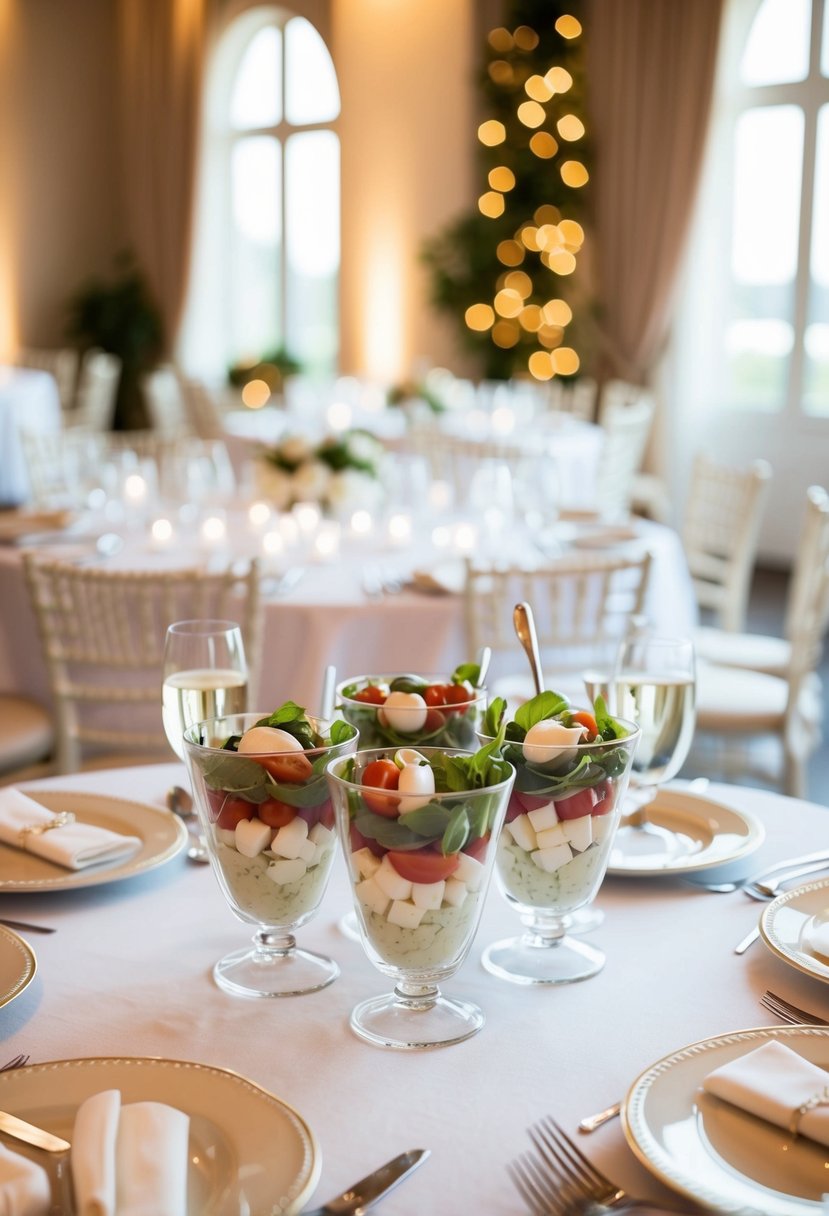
x=791 y=864
x=365 y=1193
x=30 y=1134
x=749 y=938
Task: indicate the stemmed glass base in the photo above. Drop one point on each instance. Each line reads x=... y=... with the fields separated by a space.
x=415 y=1016
x=349 y=926
x=545 y=954
x=585 y=920
x=272 y=967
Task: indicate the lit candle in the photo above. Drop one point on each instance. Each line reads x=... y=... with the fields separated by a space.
x=327 y=540
x=400 y=528
x=259 y=515
x=135 y=489
x=465 y=537
x=307 y=516
x=213 y=530
x=273 y=544
x=362 y=523
x=162 y=532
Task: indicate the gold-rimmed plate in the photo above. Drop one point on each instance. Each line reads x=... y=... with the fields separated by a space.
x=792 y=925
x=685 y=833
x=249 y=1151
x=715 y=1153
x=17 y=965
x=162 y=836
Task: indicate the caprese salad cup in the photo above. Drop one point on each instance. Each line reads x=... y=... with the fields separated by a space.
x=552 y=855
x=261 y=792
x=418 y=829
x=407 y=710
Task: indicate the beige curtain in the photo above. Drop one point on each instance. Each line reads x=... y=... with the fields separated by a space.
x=650 y=71
x=161 y=58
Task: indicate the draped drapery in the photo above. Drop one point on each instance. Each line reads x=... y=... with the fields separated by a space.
x=650 y=66
x=161 y=58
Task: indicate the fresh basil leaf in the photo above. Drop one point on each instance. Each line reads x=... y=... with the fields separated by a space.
x=341 y=732
x=467 y=673
x=234 y=773
x=478 y=812
x=390 y=833
x=457 y=831
x=312 y=793
x=538 y=708
x=430 y=820
x=494 y=716
x=607 y=726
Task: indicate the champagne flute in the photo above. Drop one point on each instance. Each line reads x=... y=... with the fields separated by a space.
x=205 y=676
x=654 y=685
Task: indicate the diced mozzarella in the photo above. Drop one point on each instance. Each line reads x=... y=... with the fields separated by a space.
x=552 y=836
x=543 y=817
x=251 y=837
x=602 y=826
x=371 y=895
x=554 y=858
x=308 y=852
x=428 y=895
x=405 y=914
x=365 y=862
x=226 y=836
x=548 y=740
x=521 y=830
x=455 y=892
x=289 y=839
x=321 y=835
x=470 y=871
x=285 y=870
x=405 y=712
x=394 y=885
x=579 y=832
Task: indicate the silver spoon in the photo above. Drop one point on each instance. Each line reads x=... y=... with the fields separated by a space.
x=522 y=619
x=180 y=803
x=484 y=660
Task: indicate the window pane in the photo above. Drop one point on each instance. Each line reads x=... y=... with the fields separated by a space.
x=766 y=214
x=311 y=92
x=824 y=50
x=257 y=89
x=312 y=246
x=777 y=49
x=257 y=239
x=816 y=337
x=758 y=353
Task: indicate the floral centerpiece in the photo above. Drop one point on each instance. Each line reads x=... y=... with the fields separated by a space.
x=340 y=472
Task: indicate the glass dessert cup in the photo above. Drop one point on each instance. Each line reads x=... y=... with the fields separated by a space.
x=444 y=726
x=552 y=856
x=274 y=870
x=416 y=930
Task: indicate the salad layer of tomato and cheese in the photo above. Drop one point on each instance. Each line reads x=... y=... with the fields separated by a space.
x=571 y=770
x=420 y=827
x=268 y=803
x=413 y=710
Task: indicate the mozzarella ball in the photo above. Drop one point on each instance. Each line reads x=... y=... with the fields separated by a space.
x=415 y=779
x=263 y=739
x=549 y=741
x=405 y=712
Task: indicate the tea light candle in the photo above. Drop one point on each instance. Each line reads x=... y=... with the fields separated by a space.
x=213 y=530
x=400 y=528
x=135 y=489
x=339 y=416
x=259 y=515
x=273 y=543
x=464 y=537
x=327 y=540
x=162 y=533
x=362 y=523
x=307 y=516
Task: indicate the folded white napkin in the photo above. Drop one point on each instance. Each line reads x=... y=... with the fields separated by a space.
x=816 y=937
x=24 y=1186
x=129 y=1160
x=25 y=824
x=776 y=1084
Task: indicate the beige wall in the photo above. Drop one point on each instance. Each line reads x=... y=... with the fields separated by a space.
x=408 y=143
x=59 y=218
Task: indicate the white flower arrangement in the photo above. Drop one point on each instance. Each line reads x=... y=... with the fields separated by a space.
x=339 y=473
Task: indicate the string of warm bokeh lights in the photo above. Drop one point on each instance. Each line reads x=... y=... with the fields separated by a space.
x=547 y=235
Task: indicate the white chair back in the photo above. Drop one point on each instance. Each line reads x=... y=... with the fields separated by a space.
x=626 y=428
x=810 y=568
x=59 y=464
x=720 y=532
x=576 y=398
x=61 y=363
x=164 y=403
x=97 y=391
x=103 y=633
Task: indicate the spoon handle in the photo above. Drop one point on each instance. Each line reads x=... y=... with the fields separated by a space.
x=522 y=619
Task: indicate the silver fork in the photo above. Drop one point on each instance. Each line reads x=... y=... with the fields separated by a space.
x=787 y=1012
x=558 y=1179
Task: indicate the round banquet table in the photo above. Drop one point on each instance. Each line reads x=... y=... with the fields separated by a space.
x=28 y=398
x=129 y=972
x=331 y=617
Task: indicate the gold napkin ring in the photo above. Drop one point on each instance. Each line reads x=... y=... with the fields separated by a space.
x=61 y=820
x=821 y=1098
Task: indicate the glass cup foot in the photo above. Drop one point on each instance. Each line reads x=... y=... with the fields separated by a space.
x=528 y=960
x=274 y=967
x=412 y=1019
x=585 y=920
x=349 y=926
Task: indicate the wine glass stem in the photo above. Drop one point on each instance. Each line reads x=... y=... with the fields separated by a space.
x=545 y=932
x=416 y=996
x=272 y=944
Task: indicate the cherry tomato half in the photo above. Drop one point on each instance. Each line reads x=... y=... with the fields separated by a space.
x=420 y=865
x=275 y=813
x=234 y=811
x=477 y=848
x=458 y=695
x=381 y=775
x=583 y=718
x=435 y=694
x=292 y=767
x=372 y=694
x=576 y=806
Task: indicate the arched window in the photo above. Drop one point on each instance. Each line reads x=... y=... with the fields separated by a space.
x=762 y=250
x=267 y=247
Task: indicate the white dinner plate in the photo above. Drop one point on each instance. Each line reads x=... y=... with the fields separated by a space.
x=688 y=833
x=714 y=1152
x=162 y=837
x=250 y=1152
x=17 y=965
x=787 y=925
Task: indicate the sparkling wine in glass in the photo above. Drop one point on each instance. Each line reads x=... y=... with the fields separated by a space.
x=205 y=676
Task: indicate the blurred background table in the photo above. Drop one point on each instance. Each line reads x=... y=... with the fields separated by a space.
x=28 y=398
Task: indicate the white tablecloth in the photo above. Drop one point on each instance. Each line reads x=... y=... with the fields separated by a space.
x=328 y=618
x=129 y=972
x=28 y=399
